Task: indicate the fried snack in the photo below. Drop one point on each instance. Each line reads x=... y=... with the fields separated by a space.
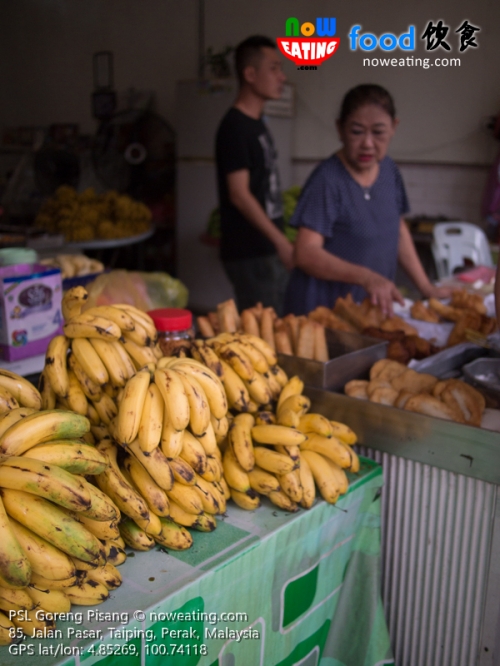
x=469 y=319
x=305 y=344
x=229 y=319
x=356 y=388
x=372 y=314
x=386 y=369
x=320 y=346
x=488 y=325
x=267 y=326
x=281 y=338
x=423 y=403
x=398 y=324
x=376 y=384
x=423 y=348
x=329 y=319
x=214 y=321
x=205 y=327
x=470 y=402
x=460 y=298
x=378 y=333
x=347 y=309
x=384 y=396
x=293 y=324
x=397 y=351
x=415 y=382
x=439 y=388
x=445 y=311
x=419 y=311
x=257 y=310
x=402 y=399
x=249 y=322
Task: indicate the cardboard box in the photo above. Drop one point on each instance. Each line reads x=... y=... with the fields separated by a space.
x=30 y=309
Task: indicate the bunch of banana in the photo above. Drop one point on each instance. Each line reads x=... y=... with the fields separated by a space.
x=285 y=454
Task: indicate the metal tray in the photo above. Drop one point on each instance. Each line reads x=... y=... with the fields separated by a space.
x=351 y=357
x=448 y=363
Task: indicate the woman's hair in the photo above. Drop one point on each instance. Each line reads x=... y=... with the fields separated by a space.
x=367 y=93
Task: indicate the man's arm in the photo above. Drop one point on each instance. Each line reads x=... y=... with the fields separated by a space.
x=238 y=183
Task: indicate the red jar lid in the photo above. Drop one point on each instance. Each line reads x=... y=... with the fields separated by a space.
x=171 y=319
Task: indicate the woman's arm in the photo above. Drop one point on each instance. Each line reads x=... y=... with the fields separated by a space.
x=313 y=259
x=409 y=260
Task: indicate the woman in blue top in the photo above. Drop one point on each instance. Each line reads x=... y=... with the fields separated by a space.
x=351 y=230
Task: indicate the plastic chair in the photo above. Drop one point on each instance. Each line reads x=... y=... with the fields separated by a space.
x=455 y=241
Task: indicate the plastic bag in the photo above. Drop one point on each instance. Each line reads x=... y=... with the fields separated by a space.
x=146 y=291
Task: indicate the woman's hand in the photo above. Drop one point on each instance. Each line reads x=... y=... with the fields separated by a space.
x=383 y=292
x=439 y=292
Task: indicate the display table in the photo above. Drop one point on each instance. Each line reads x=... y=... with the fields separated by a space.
x=306 y=587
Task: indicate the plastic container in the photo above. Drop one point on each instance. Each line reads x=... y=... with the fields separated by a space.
x=10 y=256
x=175 y=328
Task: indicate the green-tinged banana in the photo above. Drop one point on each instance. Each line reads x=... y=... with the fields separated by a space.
x=151 y=526
x=134 y=536
x=52 y=601
x=102 y=529
x=114 y=550
x=55 y=365
x=205 y=523
x=155 y=463
x=33 y=620
x=7 y=630
x=11 y=417
x=248 y=501
x=290 y=484
x=206 y=355
x=344 y=433
x=186 y=497
x=315 y=423
x=108 y=575
x=307 y=483
x=281 y=499
x=49 y=584
x=42 y=427
x=90 y=361
x=294 y=386
x=182 y=471
x=277 y=434
x=193 y=453
x=90 y=326
x=101 y=506
x=151 y=423
x=16 y=600
x=48 y=481
x=289 y=418
x=106 y=409
x=73 y=301
x=46 y=392
x=272 y=461
x=209 y=495
x=220 y=427
x=92 y=390
x=139 y=317
x=173 y=536
x=292 y=451
x=208 y=440
x=174 y=396
x=265 y=418
x=327 y=482
x=182 y=517
x=76 y=397
x=259 y=390
x=238 y=359
x=240 y=439
x=112 y=361
x=298 y=403
x=131 y=406
x=199 y=418
x=121 y=318
x=262 y=481
x=7 y=401
x=236 y=391
x=234 y=473
x=89 y=593
x=171 y=439
x=330 y=447
x=51 y=523
x=155 y=496
x=70 y=455
x=208 y=380
x=21 y=389
x=45 y=559
x=260 y=344
x=140 y=355
x=214 y=469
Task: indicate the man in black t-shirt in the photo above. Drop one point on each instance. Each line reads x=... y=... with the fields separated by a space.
x=254 y=250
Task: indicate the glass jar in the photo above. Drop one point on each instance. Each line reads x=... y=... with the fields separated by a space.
x=175 y=328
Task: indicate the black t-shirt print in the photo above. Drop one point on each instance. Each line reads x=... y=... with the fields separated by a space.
x=245 y=143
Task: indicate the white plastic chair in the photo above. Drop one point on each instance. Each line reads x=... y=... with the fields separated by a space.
x=455 y=241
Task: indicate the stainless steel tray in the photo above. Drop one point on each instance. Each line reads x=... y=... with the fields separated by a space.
x=351 y=357
x=448 y=363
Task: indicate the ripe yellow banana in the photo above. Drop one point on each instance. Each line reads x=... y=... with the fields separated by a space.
x=327 y=482
x=87 y=594
x=279 y=374
x=238 y=359
x=114 y=551
x=282 y=500
x=205 y=523
x=106 y=409
x=11 y=599
x=220 y=427
x=355 y=462
x=42 y=427
x=208 y=440
x=240 y=439
x=209 y=495
x=214 y=469
x=234 y=473
x=248 y=501
x=73 y=301
x=131 y=406
x=274 y=385
x=206 y=355
x=134 y=536
x=223 y=488
x=329 y=447
x=291 y=485
x=257 y=358
x=155 y=496
x=298 y=403
x=139 y=336
x=107 y=575
x=292 y=451
x=139 y=354
x=31 y=621
x=21 y=389
x=262 y=481
x=151 y=422
x=112 y=361
x=289 y=418
x=277 y=434
x=92 y=390
x=173 y=536
x=260 y=344
x=174 y=396
x=70 y=455
x=46 y=392
x=236 y=391
x=340 y=475
x=182 y=471
x=90 y=361
x=265 y=418
x=15 y=568
x=151 y=526
x=44 y=480
x=76 y=398
x=101 y=529
x=155 y=463
x=199 y=418
x=186 y=497
x=55 y=365
x=273 y=461
x=259 y=390
x=7 y=630
x=101 y=507
x=52 y=601
x=344 y=433
x=13 y=416
x=48 y=584
x=193 y=453
x=208 y=380
x=7 y=401
x=182 y=517
x=315 y=423
x=140 y=317
x=51 y=523
x=127 y=362
x=293 y=386
x=171 y=439
x=90 y=326
x=120 y=317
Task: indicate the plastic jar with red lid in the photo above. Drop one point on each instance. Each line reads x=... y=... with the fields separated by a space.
x=175 y=328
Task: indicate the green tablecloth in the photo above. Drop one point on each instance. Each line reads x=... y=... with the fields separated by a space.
x=306 y=587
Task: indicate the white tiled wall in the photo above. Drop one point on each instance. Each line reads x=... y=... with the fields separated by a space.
x=450 y=191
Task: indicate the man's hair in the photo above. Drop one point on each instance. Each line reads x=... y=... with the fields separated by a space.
x=248 y=53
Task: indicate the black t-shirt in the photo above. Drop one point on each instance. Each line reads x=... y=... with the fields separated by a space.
x=245 y=143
